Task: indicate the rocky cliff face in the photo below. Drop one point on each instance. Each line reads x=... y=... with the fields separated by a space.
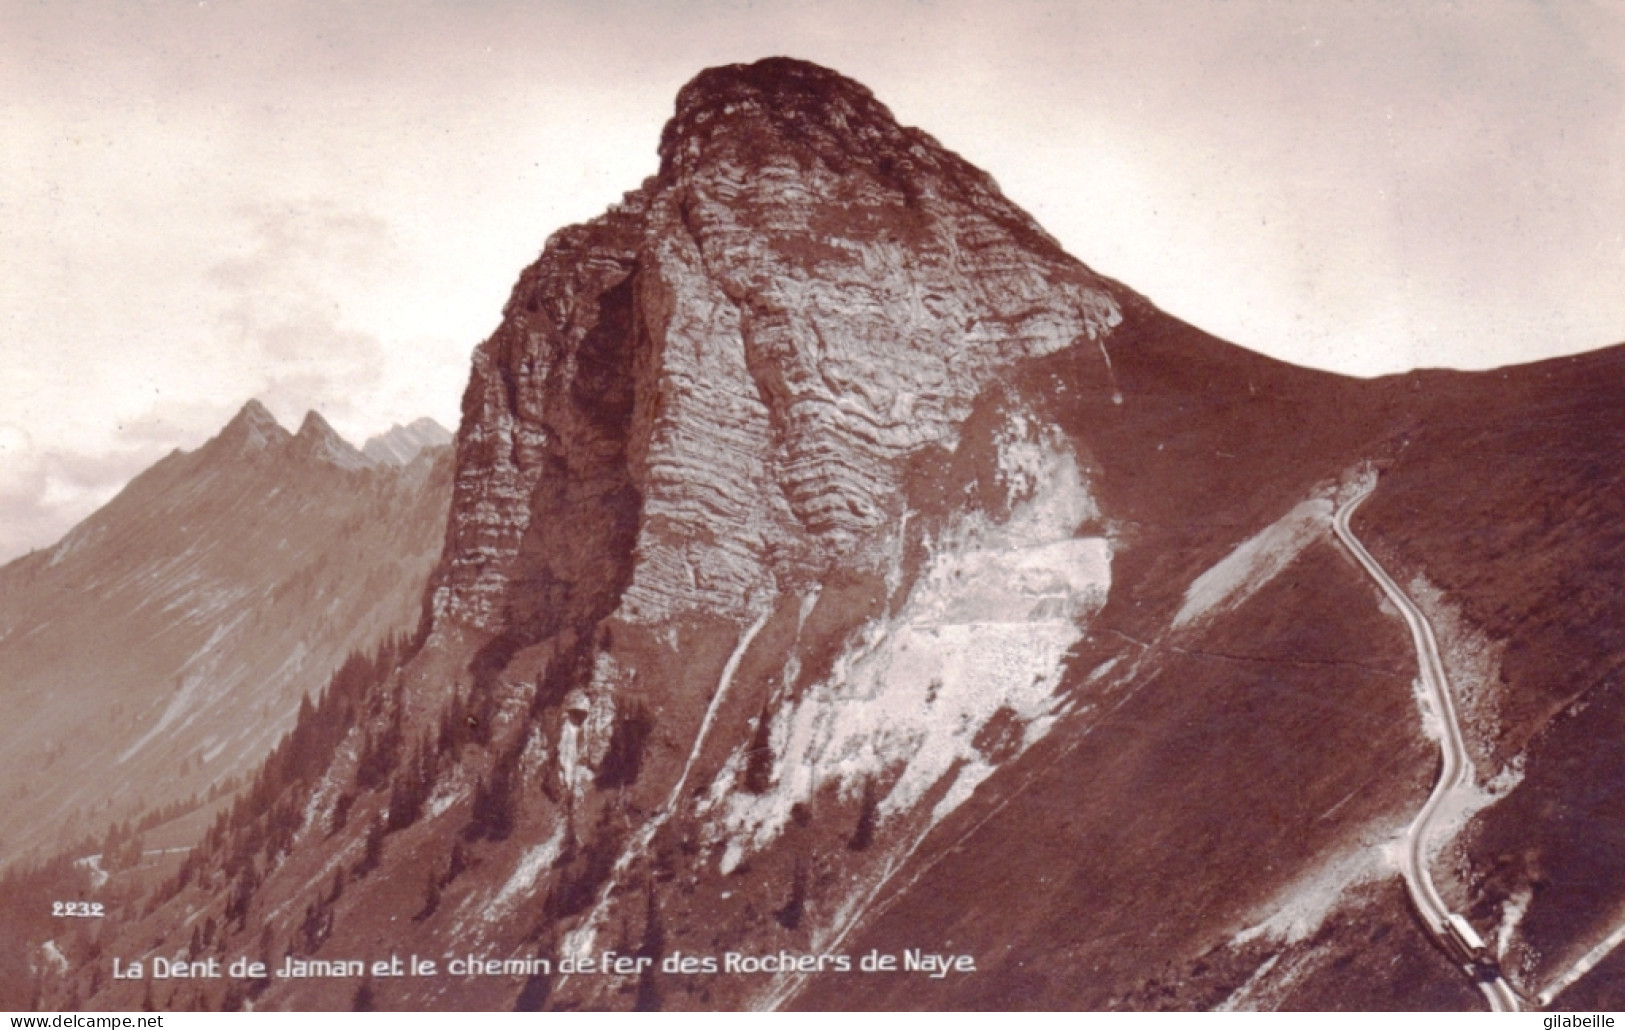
x=740 y=362
x=727 y=413
x=835 y=565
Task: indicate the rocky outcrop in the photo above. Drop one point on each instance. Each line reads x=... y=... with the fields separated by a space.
x=754 y=424
x=252 y=430
x=733 y=369
x=568 y=312
x=318 y=441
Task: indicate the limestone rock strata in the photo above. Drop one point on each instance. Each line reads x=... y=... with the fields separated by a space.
x=726 y=375
x=506 y=440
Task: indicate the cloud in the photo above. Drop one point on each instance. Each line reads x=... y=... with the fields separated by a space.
x=47 y=489
x=284 y=293
x=44 y=492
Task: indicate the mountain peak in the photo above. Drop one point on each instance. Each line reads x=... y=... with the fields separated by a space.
x=253 y=427
x=781 y=103
x=255 y=412
x=401 y=443
x=317 y=439
x=735 y=121
x=316 y=427
x=779 y=80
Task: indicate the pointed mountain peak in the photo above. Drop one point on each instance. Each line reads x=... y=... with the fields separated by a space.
x=255 y=413
x=780 y=103
x=317 y=439
x=427 y=425
x=254 y=428
x=314 y=427
x=401 y=443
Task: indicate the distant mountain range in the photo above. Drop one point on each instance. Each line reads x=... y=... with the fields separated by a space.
x=157 y=652
x=403 y=443
x=836 y=568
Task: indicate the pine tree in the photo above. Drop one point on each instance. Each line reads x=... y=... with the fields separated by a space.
x=373 y=851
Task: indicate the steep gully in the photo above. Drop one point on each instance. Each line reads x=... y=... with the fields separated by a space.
x=1451 y=931
x=580 y=942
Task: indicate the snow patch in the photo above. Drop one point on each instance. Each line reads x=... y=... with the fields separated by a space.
x=98 y=875
x=53 y=957
x=979 y=645
x=1044 y=486
x=445 y=795
x=1587 y=963
x=1394 y=854
x=524 y=875
x=589 y=718
x=1102 y=669
x=185 y=701
x=723 y=683
x=578 y=943
x=76 y=540
x=322 y=801
x=1255 y=561
x=1512 y=914
x=1241 y=999
x=1298 y=911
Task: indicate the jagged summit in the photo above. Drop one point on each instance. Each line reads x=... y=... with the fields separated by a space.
x=787 y=79
x=401 y=443
x=794 y=98
x=818 y=293
x=253 y=427
x=254 y=430
x=255 y=413
x=318 y=440
x=794 y=117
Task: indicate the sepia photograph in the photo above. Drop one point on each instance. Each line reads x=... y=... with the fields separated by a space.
x=945 y=505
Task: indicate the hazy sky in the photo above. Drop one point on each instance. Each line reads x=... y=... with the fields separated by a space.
x=324 y=204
